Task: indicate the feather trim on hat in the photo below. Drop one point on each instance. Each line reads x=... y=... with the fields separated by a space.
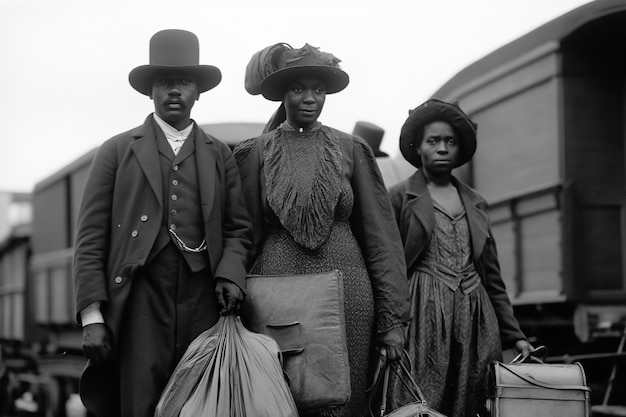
x=262 y=64
x=307 y=51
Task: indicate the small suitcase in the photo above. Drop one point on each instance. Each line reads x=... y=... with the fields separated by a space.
x=538 y=390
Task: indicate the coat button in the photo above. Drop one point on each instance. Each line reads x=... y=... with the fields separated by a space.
x=144 y=218
x=174 y=197
x=134 y=233
x=174 y=182
x=175 y=167
x=173 y=226
x=118 y=280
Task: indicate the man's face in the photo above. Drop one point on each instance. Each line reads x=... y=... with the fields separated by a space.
x=174 y=95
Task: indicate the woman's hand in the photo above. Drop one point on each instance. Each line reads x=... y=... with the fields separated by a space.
x=392 y=344
x=523 y=348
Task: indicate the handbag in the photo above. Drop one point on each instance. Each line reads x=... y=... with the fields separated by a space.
x=528 y=386
x=418 y=408
x=304 y=313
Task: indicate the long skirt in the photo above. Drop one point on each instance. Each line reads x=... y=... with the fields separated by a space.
x=281 y=255
x=451 y=342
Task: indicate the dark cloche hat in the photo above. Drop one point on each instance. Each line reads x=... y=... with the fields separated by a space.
x=174 y=50
x=307 y=61
x=437 y=110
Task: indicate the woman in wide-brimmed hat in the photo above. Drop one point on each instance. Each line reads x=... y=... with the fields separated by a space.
x=462 y=316
x=318 y=203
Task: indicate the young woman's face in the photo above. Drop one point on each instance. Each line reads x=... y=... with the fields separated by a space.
x=439 y=148
x=303 y=101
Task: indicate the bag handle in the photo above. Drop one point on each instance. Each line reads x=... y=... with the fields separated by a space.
x=537 y=355
x=382 y=373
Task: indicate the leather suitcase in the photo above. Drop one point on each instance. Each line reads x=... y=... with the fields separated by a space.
x=538 y=390
x=305 y=315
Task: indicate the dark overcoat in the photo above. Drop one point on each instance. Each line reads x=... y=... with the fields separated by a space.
x=415 y=215
x=120 y=217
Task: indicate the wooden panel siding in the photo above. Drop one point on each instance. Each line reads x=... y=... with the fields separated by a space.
x=510 y=79
x=504 y=235
x=594 y=128
x=517 y=143
x=542 y=260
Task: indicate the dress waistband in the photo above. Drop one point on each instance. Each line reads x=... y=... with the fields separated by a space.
x=467 y=278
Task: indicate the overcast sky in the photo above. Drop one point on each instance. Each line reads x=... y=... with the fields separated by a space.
x=65 y=64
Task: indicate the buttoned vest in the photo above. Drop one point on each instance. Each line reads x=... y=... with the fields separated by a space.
x=181 y=199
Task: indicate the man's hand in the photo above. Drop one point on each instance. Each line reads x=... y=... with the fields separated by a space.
x=97 y=342
x=229 y=296
x=392 y=344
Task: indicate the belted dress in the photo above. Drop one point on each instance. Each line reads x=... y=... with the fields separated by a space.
x=462 y=316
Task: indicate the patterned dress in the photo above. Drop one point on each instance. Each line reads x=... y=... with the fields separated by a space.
x=307 y=205
x=454 y=335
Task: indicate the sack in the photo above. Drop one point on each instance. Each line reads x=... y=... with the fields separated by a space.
x=228 y=371
x=305 y=315
x=378 y=389
x=538 y=389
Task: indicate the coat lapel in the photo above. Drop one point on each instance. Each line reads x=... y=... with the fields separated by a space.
x=422 y=223
x=146 y=150
x=421 y=204
x=205 y=161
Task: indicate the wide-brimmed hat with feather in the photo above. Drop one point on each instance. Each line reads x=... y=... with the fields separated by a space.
x=174 y=50
x=271 y=70
x=437 y=110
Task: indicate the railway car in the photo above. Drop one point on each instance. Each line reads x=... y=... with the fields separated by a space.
x=551 y=161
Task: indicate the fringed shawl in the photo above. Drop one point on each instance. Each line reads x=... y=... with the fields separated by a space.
x=303 y=180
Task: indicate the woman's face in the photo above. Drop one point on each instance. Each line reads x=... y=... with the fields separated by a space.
x=439 y=148
x=303 y=101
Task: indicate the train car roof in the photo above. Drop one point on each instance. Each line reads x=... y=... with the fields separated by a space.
x=553 y=31
x=235 y=132
x=230 y=133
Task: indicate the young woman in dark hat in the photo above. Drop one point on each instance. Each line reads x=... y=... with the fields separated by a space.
x=462 y=316
x=318 y=203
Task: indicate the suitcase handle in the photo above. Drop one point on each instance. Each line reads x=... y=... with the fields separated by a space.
x=537 y=355
x=538 y=383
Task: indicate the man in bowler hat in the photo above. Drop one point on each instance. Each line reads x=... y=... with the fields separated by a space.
x=162 y=239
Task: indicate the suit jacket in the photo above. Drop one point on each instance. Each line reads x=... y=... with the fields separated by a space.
x=415 y=215
x=122 y=209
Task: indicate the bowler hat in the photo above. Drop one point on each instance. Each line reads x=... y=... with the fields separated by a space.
x=372 y=134
x=174 y=50
x=437 y=110
x=99 y=389
x=308 y=61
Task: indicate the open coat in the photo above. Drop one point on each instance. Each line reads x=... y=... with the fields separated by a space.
x=415 y=215
x=120 y=217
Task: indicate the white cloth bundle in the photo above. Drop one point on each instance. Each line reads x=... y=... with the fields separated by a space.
x=228 y=371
